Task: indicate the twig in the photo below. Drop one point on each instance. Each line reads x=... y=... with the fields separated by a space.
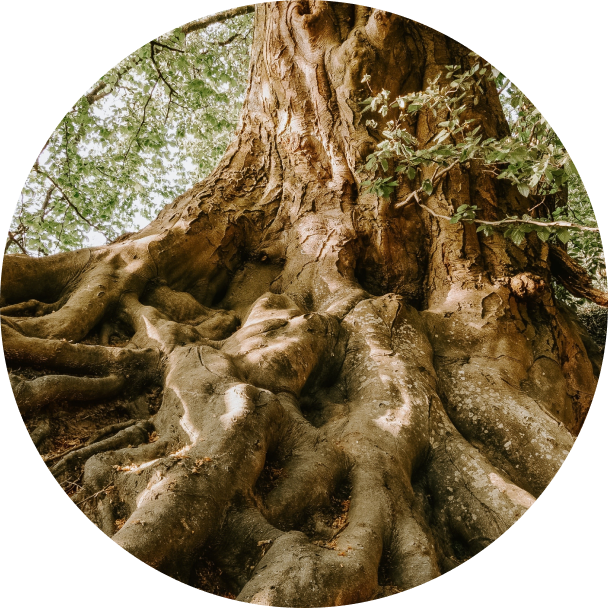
x=437 y=176
x=538 y=205
x=153 y=58
x=51 y=458
x=96 y=494
x=12 y=239
x=414 y=197
x=141 y=124
x=67 y=200
x=164 y=46
x=504 y=86
x=47 y=199
x=73 y=482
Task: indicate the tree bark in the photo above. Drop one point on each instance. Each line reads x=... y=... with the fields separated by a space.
x=356 y=397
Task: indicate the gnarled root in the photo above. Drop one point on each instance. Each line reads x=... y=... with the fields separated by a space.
x=476 y=501
x=334 y=401
x=482 y=380
x=64 y=356
x=37 y=393
x=41 y=433
x=134 y=434
x=31 y=308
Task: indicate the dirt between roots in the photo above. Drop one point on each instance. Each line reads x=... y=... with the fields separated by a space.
x=73 y=424
x=206 y=576
x=269 y=478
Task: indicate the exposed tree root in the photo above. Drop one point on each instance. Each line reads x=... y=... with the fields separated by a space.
x=477 y=501
x=46 y=389
x=64 y=356
x=43 y=279
x=133 y=434
x=41 y=433
x=31 y=308
x=412 y=559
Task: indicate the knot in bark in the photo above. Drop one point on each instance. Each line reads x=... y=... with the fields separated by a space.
x=527 y=286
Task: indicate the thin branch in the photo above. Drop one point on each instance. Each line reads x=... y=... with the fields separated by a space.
x=415 y=197
x=558 y=224
x=157 y=68
x=45 y=204
x=48 y=141
x=537 y=205
x=141 y=124
x=97 y=92
x=168 y=109
x=243 y=35
x=68 y=201
x=437 y=176
x=164 y=46
x=504 y=86
x=12 y=239
x=201 y=24
x=103 y=89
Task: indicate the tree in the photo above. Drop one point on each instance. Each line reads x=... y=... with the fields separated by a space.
x=287 y=204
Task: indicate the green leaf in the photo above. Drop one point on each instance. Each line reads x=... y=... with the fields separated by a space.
x=411 y=172
x=524 y=189
x=543 y=234
x=563 y=234
x=427 y=186
x=517 y=235
x=569 y=168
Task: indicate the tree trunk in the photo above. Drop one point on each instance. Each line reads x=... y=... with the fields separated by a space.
x=356 y=398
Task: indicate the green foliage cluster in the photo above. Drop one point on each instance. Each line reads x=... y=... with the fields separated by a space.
x=531 y=157
x=151 y=127
x=583 y=246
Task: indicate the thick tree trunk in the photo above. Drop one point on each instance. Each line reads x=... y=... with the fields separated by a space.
x=356 y=398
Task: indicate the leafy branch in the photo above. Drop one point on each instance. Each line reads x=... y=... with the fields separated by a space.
x=70 y=204
x=531 y=157
x=147 y=130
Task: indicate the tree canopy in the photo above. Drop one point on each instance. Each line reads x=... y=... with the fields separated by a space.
x=147 y=130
